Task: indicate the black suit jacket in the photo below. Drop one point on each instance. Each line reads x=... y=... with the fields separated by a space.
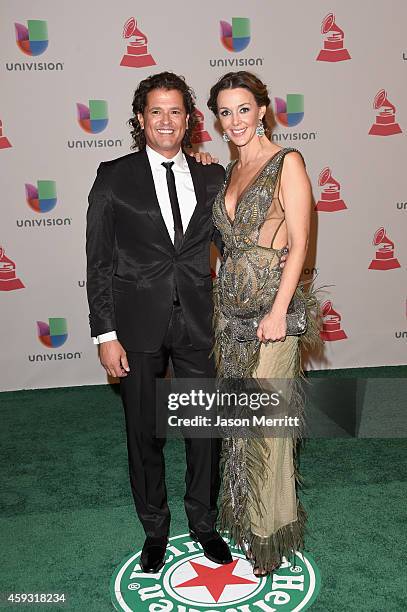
x=132 y=264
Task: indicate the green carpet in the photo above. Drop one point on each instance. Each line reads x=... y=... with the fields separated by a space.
x=67 y=517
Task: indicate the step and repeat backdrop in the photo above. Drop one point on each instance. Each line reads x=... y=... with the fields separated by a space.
x=337 y=74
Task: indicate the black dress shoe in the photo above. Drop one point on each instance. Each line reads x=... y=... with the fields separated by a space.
x=214 y=547
x=153 y=555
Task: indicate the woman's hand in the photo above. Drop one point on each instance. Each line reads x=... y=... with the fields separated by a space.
x=203 y=157
x=272 y=327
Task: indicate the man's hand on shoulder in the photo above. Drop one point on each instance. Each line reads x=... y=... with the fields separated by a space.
x=204 y=158
x=113 y=358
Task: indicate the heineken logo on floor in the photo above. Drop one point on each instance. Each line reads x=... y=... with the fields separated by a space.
x=189 y=582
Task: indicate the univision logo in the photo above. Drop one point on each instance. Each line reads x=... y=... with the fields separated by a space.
x=32 y=40
x=235 y=37
x=93 y=119
x=53 y=334
x=42 y=198
x=289 y=112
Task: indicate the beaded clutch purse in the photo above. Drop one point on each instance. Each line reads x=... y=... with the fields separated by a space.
x=244 y=329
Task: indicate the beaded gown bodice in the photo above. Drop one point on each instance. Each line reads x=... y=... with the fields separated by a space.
x=250 y=272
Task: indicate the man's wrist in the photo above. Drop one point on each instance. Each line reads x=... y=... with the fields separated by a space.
x=107 y=337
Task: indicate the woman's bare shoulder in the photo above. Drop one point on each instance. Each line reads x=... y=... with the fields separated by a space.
x=293 y=161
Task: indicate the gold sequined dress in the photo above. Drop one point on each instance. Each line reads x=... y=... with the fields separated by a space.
x=259 y=506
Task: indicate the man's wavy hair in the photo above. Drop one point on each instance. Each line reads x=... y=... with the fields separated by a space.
x=163 y=80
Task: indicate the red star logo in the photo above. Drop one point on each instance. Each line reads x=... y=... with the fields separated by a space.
x=215 y=579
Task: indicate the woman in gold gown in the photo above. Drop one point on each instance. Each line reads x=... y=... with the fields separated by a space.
x=263 y=208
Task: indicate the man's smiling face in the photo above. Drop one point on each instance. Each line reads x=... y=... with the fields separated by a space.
x=164 y=121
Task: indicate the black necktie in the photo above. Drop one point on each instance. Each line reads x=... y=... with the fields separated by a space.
x=176 y=213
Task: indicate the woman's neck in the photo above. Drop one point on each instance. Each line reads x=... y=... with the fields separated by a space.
x=256 y=149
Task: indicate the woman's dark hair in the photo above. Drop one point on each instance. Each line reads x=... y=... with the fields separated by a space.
x=247 y=80
x=163 y=80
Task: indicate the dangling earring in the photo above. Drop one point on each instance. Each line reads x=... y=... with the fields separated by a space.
x=260 y=129
x=225 y=137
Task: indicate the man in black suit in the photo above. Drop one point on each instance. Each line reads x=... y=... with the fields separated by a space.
x=149 y=229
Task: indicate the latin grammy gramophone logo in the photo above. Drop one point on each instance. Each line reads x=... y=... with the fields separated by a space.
x=199 y=134
x=8 y=278
x=4 y=141
x=331 y=324
x=330 y=199
x=137 y=55
x=333 y=50
x=385 y=123
x=384 y=257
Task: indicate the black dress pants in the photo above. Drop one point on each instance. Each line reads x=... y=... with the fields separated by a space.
x=145 y=450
